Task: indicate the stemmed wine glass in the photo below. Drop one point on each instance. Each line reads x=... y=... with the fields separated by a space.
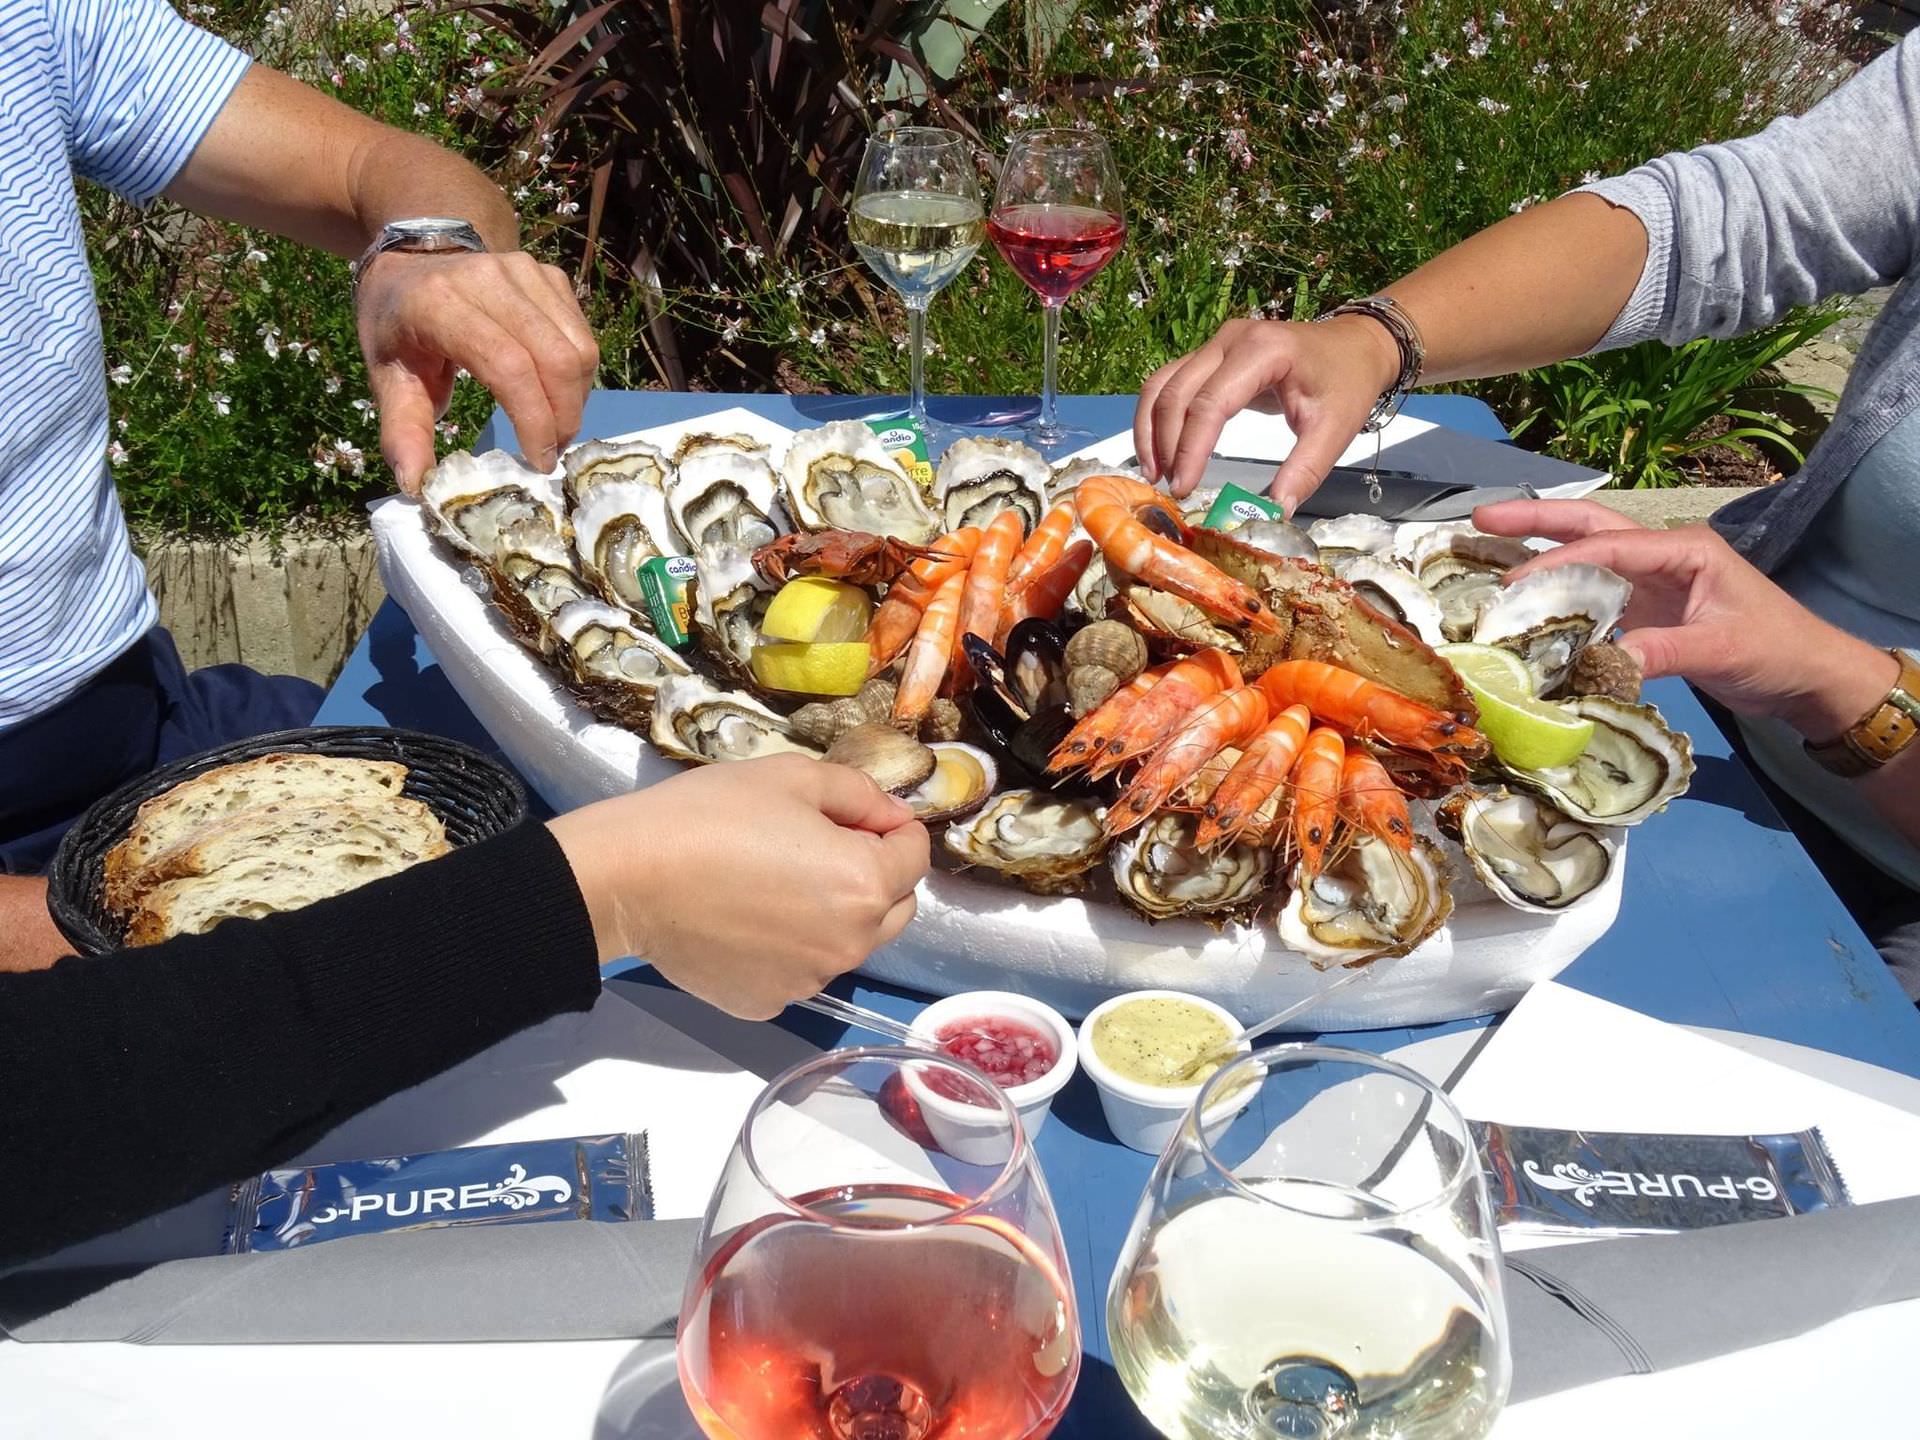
x=1314 y=1257
x=917 y=220
x=880 y=1261
x=1057 y=220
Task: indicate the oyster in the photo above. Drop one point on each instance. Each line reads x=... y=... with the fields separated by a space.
x=694 y=719
x=1462 y=567
x=1045 y=842
x=1550 y=617
x=1372 y=900
x=1525 y=851
x=723 y=498
x=1340 y=537
x=1276 y=537
x=729 y=599
x=840 y=477
x=1066 y=478
x=614 y=664
x=594 y=463
x=1396 y=594
x=473 y=498
x=618 y=525
x=1093 y=592
x=1160 y=872
x=532 y=576
x=704 y=442
x=977 y=479
x=962 y=779
x=1631 y=768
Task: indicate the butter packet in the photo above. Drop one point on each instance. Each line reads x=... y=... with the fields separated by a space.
x=907 y=444
x=1234 y=505
x=596 y=1177
x=663 y=585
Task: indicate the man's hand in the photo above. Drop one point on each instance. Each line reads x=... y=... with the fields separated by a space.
x=510 y=321
x=1700 y=611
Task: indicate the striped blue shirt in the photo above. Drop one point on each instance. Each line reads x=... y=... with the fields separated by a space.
x=118 y=92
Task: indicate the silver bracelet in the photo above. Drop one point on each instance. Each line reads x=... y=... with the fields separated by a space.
x=1406 y=338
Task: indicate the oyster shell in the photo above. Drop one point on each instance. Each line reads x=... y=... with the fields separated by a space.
x=1526 y=852
x=594 y=463
x=1549 y=617
x=1066 y=478
x=614 y=664
x=729 y=597
x=722 y=498
x=1160 y=872
x=1276 y=537
x=474 y=498
x=1462 y=567
x=532 y=576
x=705 y=442
x=1370 y=901
x=1340 y=537
x=694 y=719
x=1396 y=594
x=840 y=477
x=978 y=478
x=1632 y=767
x=962 y=779
x=1046 y=842
x=618 y=525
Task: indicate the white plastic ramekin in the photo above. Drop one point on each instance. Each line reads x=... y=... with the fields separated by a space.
x=1145 y=1117
x=966 y=1131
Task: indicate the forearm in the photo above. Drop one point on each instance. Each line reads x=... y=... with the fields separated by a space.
x=1848 y=678
x=1540 y=286
x=28 y=939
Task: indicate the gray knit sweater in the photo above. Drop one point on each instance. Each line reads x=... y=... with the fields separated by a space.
x=1827 y=203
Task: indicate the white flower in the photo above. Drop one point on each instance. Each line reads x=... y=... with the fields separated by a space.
x=1319 y=213
x=121 y=374
x=732 y=329
x=1233 y=257
x=354 y=62
x=256 y=256
x=754 y=254
x=180 y=352
x=121 y=424
x=1141 y=15
x=116 y=452
x=1336 y=101
x=1492 y=106
x=1106 y=51
x=447 y=429
x=1478 y=47
x=225 y=357
x=1499 y=19
x=1589 y=176
x=1632 y=41
x=1137 y=299
x=1459 y=167
x=1580 y=86
x=1440 y=60
x=364 y=406
x=333 y=385
x=420 y=107
x=567 y=207
x=350 y=455
x=222 y=404
x=312 y=354
x=1393 y=139
x=817 y=338
x=1204 y=18
x=1395 y=103
x=1540 y=67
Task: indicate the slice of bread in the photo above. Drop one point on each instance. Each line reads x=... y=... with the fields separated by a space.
x=279 y=857
x=167 y=820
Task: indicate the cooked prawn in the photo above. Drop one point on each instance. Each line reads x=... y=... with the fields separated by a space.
x=1316 y=795
x=1044 y=546
x=1228 y=719
x=987 y=578
x=1370 y=801
x=1165 y=707
x=1111 y=507
x=935 y=644
x=1096 y=727
x=1044 y=594
x=1234 y=807
x=898 y=617
x=1339 y=697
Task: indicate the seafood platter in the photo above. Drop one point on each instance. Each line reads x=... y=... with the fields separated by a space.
x=1221 y=757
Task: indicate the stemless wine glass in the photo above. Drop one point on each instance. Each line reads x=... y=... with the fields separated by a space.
x=856 y=1281
x=916 y=220
x=1325 y=1265
x=1057 y=220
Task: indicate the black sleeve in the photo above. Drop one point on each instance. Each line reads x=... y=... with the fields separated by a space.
x=135 y=1081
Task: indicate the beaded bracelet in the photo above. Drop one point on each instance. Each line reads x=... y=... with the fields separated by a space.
x=1406 y=337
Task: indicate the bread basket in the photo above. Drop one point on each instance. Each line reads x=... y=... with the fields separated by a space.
x=474 y=795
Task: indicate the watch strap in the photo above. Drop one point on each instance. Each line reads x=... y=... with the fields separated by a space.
x=415 y=236
x=1881 y=734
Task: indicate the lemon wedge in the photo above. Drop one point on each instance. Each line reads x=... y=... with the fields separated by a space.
x=815 y=610
x=1526 y=733
x=826 y=668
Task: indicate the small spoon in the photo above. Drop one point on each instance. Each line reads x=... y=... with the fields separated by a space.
x=860 y=1015
x=1224 y=1051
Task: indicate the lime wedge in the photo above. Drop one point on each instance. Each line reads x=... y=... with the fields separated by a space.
x=1526 y=733
x=823 y=669
x=814 y=609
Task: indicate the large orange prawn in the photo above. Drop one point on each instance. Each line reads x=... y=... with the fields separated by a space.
x=1111 y=508
x=1044 y=593
x=1316 y=796
x=908 y=597
x=1089 y=738
x=935 y=644
x=1044 y=546
x=1360 y=707
x=1228 y=719
x=1370 y=801
x=1233 y=809
x=1163 y=708
x=987 y=576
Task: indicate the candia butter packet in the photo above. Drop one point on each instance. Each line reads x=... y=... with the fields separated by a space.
x=1234 y=505
x=663 y=585
x=907 y=443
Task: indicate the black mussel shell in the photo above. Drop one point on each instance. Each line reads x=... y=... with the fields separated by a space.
x=1036 y=664
x=1037 y=739
x=1161 y=523
x=996 y=715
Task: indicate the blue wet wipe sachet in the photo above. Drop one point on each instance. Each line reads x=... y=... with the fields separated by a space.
x=594 y=1177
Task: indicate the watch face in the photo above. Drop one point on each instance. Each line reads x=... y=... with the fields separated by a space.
x=431 y=226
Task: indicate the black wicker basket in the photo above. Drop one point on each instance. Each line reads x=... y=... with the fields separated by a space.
x=474 y=795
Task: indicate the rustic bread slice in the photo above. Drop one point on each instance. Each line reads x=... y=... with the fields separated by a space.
x=278 y=858
x=207 y=799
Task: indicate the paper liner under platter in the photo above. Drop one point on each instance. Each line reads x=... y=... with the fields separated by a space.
x=971 y=932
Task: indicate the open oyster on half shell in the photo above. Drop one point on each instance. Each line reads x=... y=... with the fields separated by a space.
x=1462 y=567
x=1631 y=768
x=978 y=478
x=694 y=719
x=722 y=497
x=532 y=576
x=618 y=525
x=1045 y=842
x=1549 y=617
x=1369 y=901
x=594 y=463
x=729 y=599
x=840 y=477
x=1525 y=851
x=1160 y=872
x=614 y=665
x=474 y=498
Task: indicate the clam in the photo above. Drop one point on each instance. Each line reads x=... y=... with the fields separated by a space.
x=1160 y=872
x=1101 y=657
x=694 y=719
x=723 y=498
x=840 y=477
x=1462 y=567
x=978 y=478
x=1371 y=900
x=1340 y=537
x=1276 y=537
x=1525 y=851
x=897 y=763
x=594 y=463
x=706 y=442
x=1549 y=617
x=1631 y=768
x=962 y=779
x=1046 y=842
x=614 y=664
x=1396 y=594
x=618 y=525
x=473 y=498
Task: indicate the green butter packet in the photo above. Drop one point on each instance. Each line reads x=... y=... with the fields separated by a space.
x=1233 y=505
x=907 y=443
x=663 y=584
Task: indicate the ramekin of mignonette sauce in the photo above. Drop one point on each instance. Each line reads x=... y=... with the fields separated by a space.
x=1023 y=1046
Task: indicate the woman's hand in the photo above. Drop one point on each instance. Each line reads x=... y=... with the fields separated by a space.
x=1700 y=611
x=749 y=884
x=1324 y=378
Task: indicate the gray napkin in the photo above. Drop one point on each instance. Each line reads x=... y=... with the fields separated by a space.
x=1582 y=1313
x=567 y=1281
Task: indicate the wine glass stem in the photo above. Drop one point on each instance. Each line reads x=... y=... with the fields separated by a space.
x=1049 y=375
x=917 y=345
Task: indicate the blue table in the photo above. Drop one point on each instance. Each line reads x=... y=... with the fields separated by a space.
x=1724 y=923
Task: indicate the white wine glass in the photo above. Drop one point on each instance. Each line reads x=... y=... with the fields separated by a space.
x=880 y=1261
x=1322 y=1265
x=917 y=220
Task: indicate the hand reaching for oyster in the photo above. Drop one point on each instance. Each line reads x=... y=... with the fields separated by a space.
x=751 y=884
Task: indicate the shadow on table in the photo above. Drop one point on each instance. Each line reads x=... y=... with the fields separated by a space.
x=411 y=695
x=1718 y=780
x=975 y=412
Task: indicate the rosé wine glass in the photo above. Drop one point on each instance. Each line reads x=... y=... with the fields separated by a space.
x=857 y=1282
x=1058 y=218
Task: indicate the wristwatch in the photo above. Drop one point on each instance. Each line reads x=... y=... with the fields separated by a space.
x=423 y=236
x=1880 y=734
